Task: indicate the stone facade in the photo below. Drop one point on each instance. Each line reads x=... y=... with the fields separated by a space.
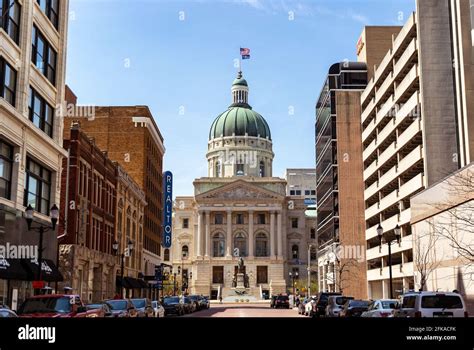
x=239 y=212
x=21 y=133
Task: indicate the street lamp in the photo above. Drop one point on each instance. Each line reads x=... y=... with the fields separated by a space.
x=293 y=276
x=29 y=216
x=390 y=240
x=309 y=270
x=126 y=252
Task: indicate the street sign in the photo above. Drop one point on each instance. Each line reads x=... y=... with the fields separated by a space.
x=168 y=208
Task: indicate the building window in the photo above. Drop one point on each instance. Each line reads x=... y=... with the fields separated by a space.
x=240 y=170
x=313 y=233
x=218 y=274
x=218 y=245
x=41 y=113
x=262 y=169
x=166 y=255
x=240 y=243
x=37 y=187
x=261 y=245
x=292 y=193
x=43 y=55
x=262 y=274
x=313 y=254
x=261 y=219
x=307 y=192
x=298 y=192
x=218 y=169
x=185 y=252
x=51 y=10
x=294 y=223
x=6 y=165
x=185 y=223
x=10 y=11
x=218 y=219
x=313 y=192
x=7 y=82
x=240 y=219
x=295 y=251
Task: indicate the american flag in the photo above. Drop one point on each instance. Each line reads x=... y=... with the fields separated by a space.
x=245 y=53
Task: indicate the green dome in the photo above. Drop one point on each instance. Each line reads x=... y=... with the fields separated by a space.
x=239 y=121
x=240 y=82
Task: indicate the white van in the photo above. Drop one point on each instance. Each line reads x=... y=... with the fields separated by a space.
x=431 y=304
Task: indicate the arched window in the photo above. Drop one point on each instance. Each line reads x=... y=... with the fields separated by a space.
x=218 y=168
x=166 y=255
x=262 y=169
x=261 y=244
x=218 y=245
x=184 y=252
x=295 y=251
x=240 y=242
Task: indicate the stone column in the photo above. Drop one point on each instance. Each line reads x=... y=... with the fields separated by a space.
x=272 y=234
x=208 y=234
x=199 y=236
x=279 y=236
x=251 y=235
x=228 y=240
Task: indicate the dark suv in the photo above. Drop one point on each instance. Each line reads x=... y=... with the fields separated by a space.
x=282 y=301
x=319 y=309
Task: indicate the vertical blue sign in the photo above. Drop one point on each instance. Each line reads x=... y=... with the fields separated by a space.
x=168 y=208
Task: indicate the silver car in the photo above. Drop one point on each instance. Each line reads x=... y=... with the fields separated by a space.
x=335 y=305
x=158 y=309
x=381 y=308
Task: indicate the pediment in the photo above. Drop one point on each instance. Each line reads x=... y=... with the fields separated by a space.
x=240 y=191
x=294 y=236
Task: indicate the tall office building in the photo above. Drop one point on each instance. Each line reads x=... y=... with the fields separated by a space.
x=131 y=138
x=33 y=39
x=339 y=184
x=416 y=126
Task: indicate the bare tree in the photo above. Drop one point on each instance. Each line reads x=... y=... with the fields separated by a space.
x=457 y=223
x=425 y=257
x=344 y=271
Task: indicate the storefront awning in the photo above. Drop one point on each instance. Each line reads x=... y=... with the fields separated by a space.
x=12 y=269
x=49 y=271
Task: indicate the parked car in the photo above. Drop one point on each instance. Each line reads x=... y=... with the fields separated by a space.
x=321 y=303
x=7 y=313
x=282 y=301
x=310 y=307
x=381 y=308
x=335 y=305
x=301 y=306
x=196 y=300
x=204 y=302
x=104 y=309
x=55 y=305
x=173 y=306
x=189 y=305
x=143 y=306
x=431 y=304
x=354 y=308
x=122 y=308
x=158 y=309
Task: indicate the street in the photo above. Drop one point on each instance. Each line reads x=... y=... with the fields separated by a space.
x=247 y=310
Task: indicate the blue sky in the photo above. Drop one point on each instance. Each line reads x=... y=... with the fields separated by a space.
x=177 y=57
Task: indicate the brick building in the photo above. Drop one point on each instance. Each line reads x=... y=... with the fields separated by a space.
x=131 y=137
x=88 y=206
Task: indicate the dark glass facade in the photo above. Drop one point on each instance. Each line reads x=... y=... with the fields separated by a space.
x=342 y=76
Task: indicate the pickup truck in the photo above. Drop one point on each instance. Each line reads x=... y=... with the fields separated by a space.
x=56 y=306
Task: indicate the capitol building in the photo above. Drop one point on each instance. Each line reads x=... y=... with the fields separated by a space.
x=240 y=212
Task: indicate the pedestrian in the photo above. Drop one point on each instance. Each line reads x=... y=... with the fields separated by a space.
x=220 y=299
x=117 y=296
